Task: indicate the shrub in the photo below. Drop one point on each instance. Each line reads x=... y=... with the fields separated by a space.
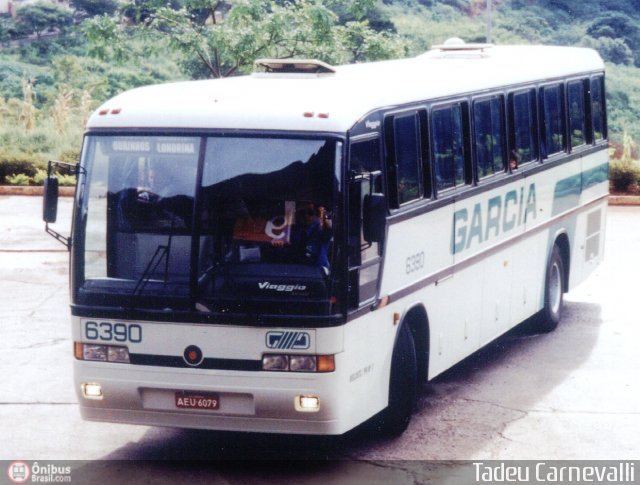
x=66 y=180
x=19 y=179
x=623 y=174
x=40 y=176
x=70 y=155
x=19 y=163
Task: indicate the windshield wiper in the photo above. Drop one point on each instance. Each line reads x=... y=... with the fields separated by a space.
x=162 y=252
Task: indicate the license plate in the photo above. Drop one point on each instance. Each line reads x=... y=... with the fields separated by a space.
x=197 y=400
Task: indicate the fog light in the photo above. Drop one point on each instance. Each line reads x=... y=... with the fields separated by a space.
x=91 y=390
x=302 y=363
x=307 y=404
x=275 y=362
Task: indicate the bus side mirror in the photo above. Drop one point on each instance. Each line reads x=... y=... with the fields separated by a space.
x=374 y=217
x=50 y=200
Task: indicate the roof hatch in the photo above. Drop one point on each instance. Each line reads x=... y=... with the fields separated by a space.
x=457 y=44
x=293 y=66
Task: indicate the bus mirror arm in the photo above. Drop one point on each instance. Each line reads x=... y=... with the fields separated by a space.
x=50 y=199
x=374 y=217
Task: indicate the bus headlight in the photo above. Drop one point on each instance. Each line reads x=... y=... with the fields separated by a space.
x=118 y=354
x=298 y=363
x=101 y=353
x=94 y=352
x=302 y=363
x=275 y=362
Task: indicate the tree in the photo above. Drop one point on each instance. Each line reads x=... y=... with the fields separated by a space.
x=41 y=17
x=218 y=39
x=5 y=30
x=229 y=40
x=139 y=11
x=357 y=10
x=106 y=39
x=612 y=50
x=620 y=28
x=96 y=7
x=28 y=113
x=227 y=43
x=3 y=110
x=61 y=109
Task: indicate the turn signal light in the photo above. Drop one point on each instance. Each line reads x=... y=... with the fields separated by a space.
x=326 y=363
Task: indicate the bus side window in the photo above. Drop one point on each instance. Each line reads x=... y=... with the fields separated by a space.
x=488 y=123
x=577 y=115
x=448 y=147
x=553 y=125
x=405 y=144
x=598 y=109
x=523 y=128
x=365 y=172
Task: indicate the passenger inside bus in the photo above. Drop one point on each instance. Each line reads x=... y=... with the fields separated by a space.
x=300 y=234
x=310 y=236
x=513 y=160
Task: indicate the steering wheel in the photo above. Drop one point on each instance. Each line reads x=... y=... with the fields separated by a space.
x=146 y=196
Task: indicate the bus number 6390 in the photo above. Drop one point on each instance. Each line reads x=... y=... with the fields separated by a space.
x=415 y=262
x=113 y=332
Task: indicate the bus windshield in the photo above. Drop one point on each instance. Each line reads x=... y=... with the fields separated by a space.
x=219 y=223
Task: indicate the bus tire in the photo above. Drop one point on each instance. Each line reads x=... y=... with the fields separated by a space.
x=547 y=320
x=403 y=386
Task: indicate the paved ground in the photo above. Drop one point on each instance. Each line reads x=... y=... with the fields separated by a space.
x=572 y=394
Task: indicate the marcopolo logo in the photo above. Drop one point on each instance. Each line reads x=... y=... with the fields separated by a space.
x=288 y=340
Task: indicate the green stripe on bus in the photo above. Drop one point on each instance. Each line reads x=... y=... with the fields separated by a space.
x=567 y=192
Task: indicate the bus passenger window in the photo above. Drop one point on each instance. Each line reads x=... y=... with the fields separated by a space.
x=553 y=118
x=523 y=128
x=488 y=140
x=598 y=109
x=575 y=98
x=407 y=151
x=448 y=147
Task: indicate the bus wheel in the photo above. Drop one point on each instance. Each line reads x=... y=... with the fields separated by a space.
x=549 y=317
x=402 y=386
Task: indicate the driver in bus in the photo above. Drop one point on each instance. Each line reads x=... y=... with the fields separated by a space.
x=157 y=185
x=310 y=236
x=158 y=205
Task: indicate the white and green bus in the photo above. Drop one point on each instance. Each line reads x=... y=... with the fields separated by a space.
x=295 y=250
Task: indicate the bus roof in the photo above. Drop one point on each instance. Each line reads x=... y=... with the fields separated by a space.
x=328 y=101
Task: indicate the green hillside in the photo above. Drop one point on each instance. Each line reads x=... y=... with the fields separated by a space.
x=57 y=65
x=613 y=30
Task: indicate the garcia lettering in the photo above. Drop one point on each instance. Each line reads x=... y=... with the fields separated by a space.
x=489 y=219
